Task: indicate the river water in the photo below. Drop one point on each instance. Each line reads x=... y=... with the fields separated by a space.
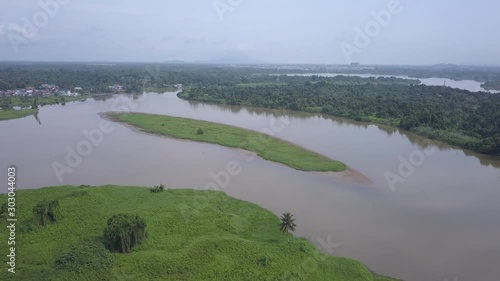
x=438 y=220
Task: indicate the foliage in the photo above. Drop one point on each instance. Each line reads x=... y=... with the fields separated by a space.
x=158 y=188
x=124 y=231
x=46 y=212
x=83 y=258
x=200 y=131
x=287 y=223
x=3 y=210
x=263 y=145
x=35 y=103
x=5 y=103
x=135 y=77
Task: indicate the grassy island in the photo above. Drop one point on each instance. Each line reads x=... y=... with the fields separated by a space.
x=190 y=235
x=265 y=146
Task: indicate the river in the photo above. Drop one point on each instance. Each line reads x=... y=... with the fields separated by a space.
x=438 y=221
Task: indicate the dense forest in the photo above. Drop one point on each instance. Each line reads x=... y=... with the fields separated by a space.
x=459 y=117
x=95 y=78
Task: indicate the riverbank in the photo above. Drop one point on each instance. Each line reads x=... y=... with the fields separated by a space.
x=15 y=114
x=263 y=145
x=191 y=235
x=24 y=102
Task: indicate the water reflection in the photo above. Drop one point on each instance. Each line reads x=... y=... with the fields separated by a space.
x=102 y=97
x=37 y=118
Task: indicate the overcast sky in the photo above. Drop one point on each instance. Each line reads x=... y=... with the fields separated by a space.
x=277 y=31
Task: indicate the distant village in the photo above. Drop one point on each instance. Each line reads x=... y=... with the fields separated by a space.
x=47 y=90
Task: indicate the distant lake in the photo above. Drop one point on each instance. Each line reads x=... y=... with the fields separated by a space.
x=469 y=85
x=439 y=221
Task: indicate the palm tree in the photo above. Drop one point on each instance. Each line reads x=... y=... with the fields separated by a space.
x=287 y=224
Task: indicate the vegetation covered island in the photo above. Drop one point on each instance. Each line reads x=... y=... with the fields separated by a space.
x=92 y=233
x=265 y=146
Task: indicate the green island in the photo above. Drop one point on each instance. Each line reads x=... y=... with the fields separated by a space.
x=265 y=146
x=189 y=235
x=15 y=114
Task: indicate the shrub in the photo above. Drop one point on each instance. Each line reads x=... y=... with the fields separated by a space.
x=264 y=261
x=123 y=232
x=79 y=193
x=46 y=212
x=3 y=210
x=158 y=188
x=200 y=132
x=92 y=256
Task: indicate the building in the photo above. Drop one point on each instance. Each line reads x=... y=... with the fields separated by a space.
x=116 y=88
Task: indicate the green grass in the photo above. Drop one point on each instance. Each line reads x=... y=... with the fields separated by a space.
x=164 y=89
x=383 y=121
x=14 y=114
x=191 y=235
x=265 y=146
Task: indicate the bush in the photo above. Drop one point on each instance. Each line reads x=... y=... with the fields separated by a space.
x=3 y=210
x=158 y=188
x=85 y=257
x=264 y=261
x=123 y=232
x=200 y=132
x=46 y=212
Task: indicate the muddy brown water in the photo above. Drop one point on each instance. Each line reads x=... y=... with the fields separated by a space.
x=438 y=220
